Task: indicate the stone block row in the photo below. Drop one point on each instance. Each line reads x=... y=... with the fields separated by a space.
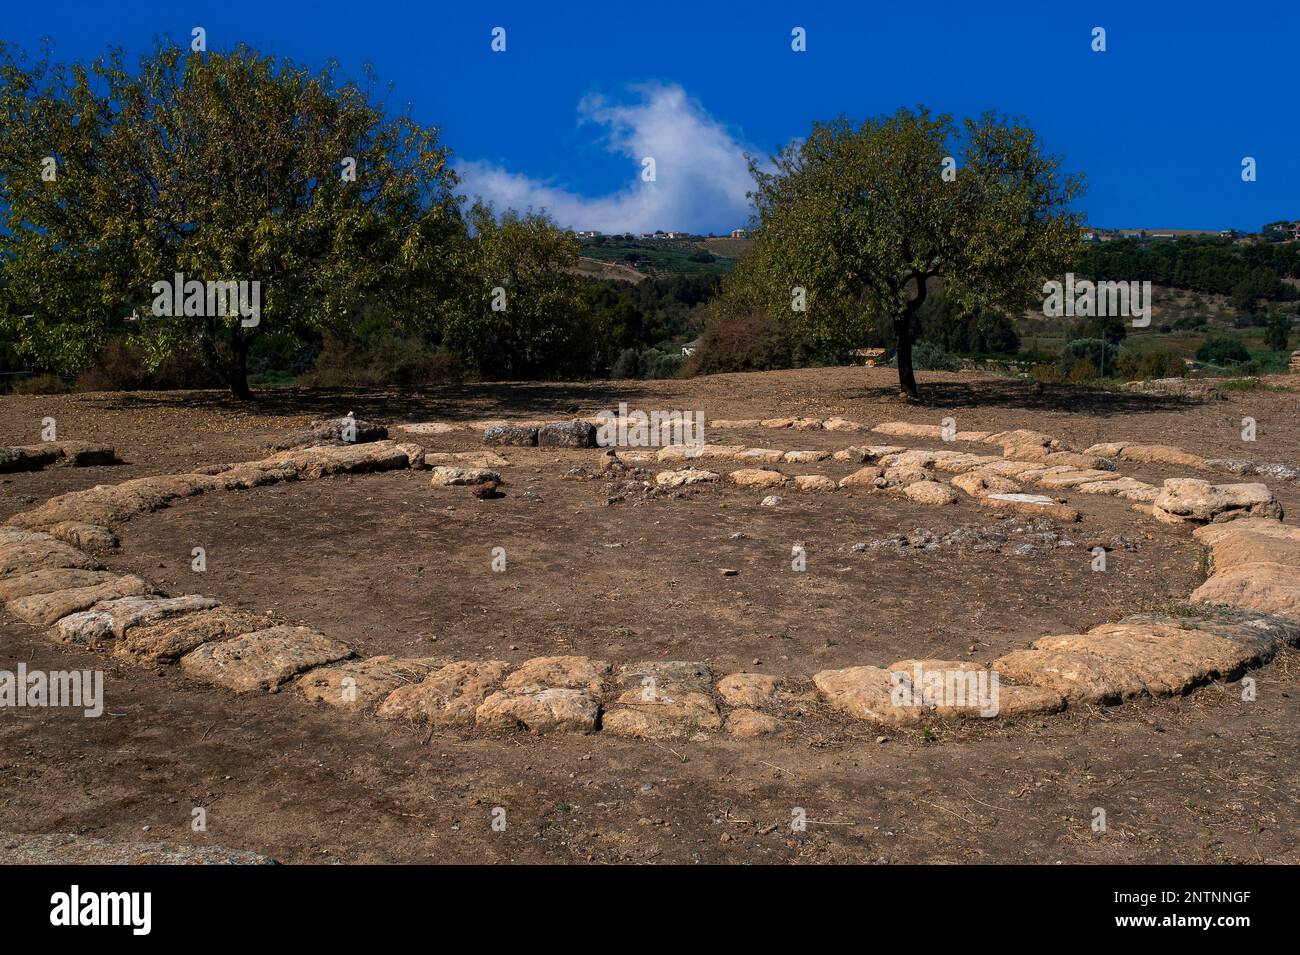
x=37 y=457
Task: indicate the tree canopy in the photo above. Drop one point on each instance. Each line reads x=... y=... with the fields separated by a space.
x=856 y=220
x=222 y=167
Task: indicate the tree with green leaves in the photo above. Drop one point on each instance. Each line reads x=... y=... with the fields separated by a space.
x=862 y=219
x=520 y=312
x=221 y=166
x=1278 y=333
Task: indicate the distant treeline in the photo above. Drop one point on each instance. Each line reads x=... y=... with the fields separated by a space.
x=1215 y=266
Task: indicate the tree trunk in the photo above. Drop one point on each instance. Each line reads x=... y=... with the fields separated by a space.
x=906 y=377
x=239 y=367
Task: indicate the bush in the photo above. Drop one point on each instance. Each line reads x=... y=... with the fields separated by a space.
x=1045 y=372
x=1081 y=371
x=751 y=342
x=928 y=356
x=376 y=350
x=1279 y=331
x=1222 y=350
x=41 y=385
x=1101 y=355
x=1191 y=322
x=629 y=364
x=1154 y=364
x=123 y=366
x=632 y=363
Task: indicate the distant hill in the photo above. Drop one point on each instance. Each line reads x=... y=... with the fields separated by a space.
x=662 y=256
x=605 y=271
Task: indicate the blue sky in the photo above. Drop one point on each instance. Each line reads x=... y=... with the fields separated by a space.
x=1159 y=123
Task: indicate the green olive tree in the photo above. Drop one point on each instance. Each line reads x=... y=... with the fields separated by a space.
x=223 y=167
x=860 y=219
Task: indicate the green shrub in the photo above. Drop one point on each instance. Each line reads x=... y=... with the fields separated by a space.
x=40 y=385
x=929 y=356
x=1279 y=331
x=1222 y=350
x=1102 y=355
x=751 y=342
x=123 y=365
x=1153 y=364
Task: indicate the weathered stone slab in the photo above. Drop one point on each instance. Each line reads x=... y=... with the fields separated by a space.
x=566 y=434
x=327 y=460
x=864 y=693
x=841 y=424
x=930 y=492
x=748 y=689
x=511 y=435
x=1023 y=437
x=747 y=724
x=1252 y=547
x=868 y=478
x=263 y=659
x=108 y=620
x=44 y=609
x=362 y=684
x=805 y=457
x=1160 y=454
x=244 y=476
x=90 y=537
x=466 y=459
x=686 y=673
x=759 y=456
x=1073 y=478
x=684 y=477
x=905 y=429
x=51 y=579
x=699 y=452
x=40 y=553
x=1192 y=500
x=906 y=474
x=960 y=462
x=447 y=476
x=814 y=482
x=545 y=711
x=1080 y=677
x=346 y=429
x=1261 y=635
x=681 y=710
x=981 y=483
x=1128 y=488
x=571 y=672
x=169 y=639
x=1266 y=587
x=1165 y=660
x=853 y=455
x=756 y=477
x=1107 y=449
x=1085 y=461
x=448 y=696
x=1033 y=504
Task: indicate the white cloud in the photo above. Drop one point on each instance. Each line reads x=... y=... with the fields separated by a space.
x=701 y=174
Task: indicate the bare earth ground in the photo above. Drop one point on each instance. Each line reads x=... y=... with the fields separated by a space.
x=391 y=565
